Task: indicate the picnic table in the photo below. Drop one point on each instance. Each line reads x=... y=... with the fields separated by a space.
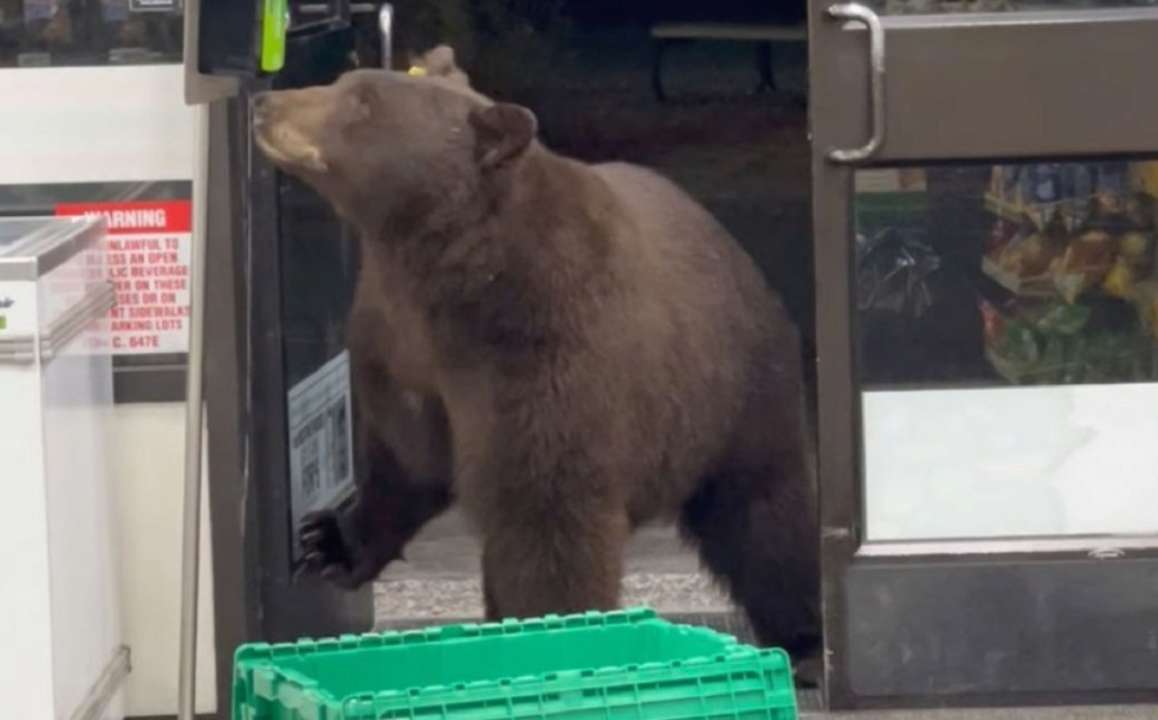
x=763 y=35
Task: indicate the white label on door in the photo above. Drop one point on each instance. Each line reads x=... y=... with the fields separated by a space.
x=321 y=445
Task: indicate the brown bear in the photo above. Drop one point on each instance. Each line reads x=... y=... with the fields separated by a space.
x=565 y=350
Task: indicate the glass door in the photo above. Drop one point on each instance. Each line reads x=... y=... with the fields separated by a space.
x=987 y=320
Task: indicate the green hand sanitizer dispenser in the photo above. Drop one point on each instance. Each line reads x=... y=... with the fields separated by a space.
x=274 y=25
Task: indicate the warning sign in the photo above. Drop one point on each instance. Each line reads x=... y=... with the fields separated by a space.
x=147 y=256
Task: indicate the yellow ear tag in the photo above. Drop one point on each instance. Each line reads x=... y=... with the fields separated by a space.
x=416 y=71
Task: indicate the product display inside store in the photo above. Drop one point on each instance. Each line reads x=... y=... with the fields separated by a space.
x=1007 y=343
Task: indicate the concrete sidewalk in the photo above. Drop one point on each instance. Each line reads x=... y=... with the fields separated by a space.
x=440 y=578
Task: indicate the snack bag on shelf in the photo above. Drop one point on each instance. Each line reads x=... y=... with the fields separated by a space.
x=1051 y=343
x=1146 y=300
x=1020 y=259
x=1082 y=269
x=1119 y=282
x=1084 y=264
x=1144 y=177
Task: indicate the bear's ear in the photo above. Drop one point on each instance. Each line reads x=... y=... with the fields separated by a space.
x=440 y=61
x=503 y=132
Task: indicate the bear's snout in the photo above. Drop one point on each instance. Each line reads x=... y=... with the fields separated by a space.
x=261 y=108
x=287 y=126
x=275 y=106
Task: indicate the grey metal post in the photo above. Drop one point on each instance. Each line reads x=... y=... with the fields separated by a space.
x=200 y=91
x=191 y=520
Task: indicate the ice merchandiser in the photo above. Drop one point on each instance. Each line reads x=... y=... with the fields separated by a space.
x=62 y=652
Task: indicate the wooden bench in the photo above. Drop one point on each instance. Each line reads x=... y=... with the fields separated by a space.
x=667 y=34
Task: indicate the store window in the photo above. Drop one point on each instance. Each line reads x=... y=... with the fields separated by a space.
x=40 y=33
x=1007 y=325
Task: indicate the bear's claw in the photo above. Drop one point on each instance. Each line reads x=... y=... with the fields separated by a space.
x=325 y=550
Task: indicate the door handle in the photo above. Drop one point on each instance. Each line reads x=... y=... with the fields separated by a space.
x=385 y=13
x=386 y=31
x=855 y=12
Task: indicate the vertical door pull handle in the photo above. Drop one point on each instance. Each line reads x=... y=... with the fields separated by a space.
x=855 y=12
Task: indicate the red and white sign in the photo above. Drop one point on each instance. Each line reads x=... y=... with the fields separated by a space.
x=148 y=255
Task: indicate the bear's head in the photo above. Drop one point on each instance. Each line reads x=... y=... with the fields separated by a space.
x=394 y=150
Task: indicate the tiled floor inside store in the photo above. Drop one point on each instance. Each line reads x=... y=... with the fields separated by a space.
x=439 y=583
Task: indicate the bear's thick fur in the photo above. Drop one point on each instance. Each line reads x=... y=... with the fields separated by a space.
x=567 y=351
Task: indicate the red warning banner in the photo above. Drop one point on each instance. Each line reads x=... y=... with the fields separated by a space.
x=148 y=256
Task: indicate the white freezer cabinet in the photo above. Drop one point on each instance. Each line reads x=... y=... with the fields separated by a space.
x=61 y=649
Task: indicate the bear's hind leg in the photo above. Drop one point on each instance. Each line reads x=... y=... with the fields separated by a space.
x=544 y=484
x=757 y=534
x=555 y=563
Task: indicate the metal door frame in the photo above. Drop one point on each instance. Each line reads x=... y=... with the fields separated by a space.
x=255 y=596
x=971 y=65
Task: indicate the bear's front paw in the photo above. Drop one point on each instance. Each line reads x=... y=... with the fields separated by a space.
x=327 y=552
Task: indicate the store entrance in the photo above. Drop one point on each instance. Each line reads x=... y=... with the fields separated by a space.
x=585 y=69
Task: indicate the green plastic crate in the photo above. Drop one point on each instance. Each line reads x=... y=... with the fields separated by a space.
x=625 y=665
